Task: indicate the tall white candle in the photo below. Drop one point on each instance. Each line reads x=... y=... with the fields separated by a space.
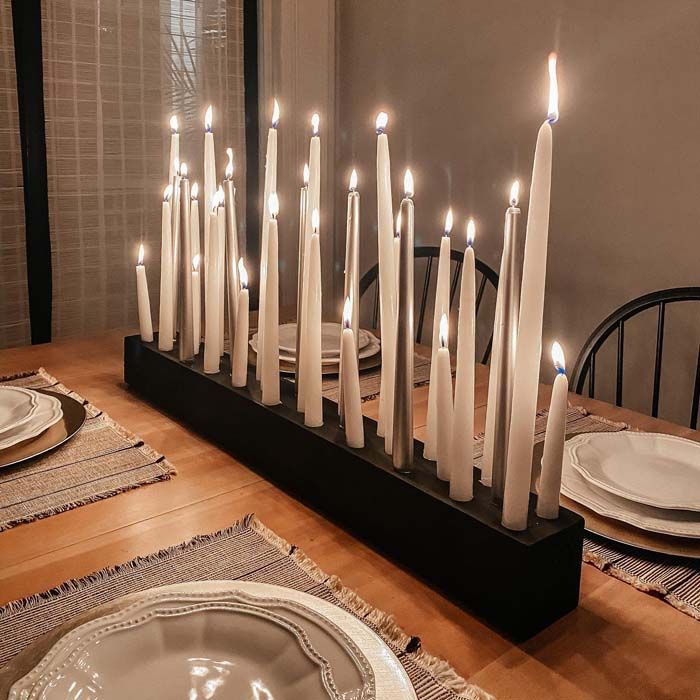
x=352 y=410
x=175 y=237
x=209 y=182
x=232 y=283
x=143 y=300
x=239 y=361
x=211 y=293
x=313 y=404
x=301 y=281
x=505 y=326
x=174 y=148
x=527 y=357
x=442 y=307
x=550 y=477
x=271 y=353
x=462 y=444
x=196 y=302
x=269 y=187
x=194 y=223
x=165 y=312
x=443 y=402
x=387 y=283
x=313 y=202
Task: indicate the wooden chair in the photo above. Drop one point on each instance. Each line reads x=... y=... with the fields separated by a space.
x=585 y=363
x=432 y=253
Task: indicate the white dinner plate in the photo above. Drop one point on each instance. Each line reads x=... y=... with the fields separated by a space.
x=17 y=406
x=676 y=523
x=330 y=339
x=215 y=636
x=48 y=412
x=651 y=468
x=369 y=350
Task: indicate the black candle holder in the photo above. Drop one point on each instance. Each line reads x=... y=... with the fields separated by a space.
x=518 y=582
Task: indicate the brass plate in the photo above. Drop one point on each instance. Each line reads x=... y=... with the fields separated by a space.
x=74 y=415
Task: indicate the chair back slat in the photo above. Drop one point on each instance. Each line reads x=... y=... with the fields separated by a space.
x=584 y=367
x=659 y=355
x=487 y=353
x=375 y=306
x=620 y=361
x=424 y=300
x=696 y=395
x=455 y=282
x=479 y=295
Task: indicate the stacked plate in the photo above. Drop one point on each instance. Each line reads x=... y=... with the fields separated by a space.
x=225 y=639
x=25 y=414
x=330 y=347
x=648 y=480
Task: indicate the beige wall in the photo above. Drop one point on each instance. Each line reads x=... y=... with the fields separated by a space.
x=465 y=86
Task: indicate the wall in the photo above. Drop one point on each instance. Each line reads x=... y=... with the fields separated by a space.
x=465 y=86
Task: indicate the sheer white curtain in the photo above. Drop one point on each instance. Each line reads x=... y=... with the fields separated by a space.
x=14 y=304
x=114 y=72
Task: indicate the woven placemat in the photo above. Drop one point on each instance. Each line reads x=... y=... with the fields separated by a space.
x=102 y=460
x=246 y=551
x=676 y=582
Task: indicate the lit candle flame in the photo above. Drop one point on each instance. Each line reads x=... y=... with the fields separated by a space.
x=194 y=192
x=220 y=196
x=274 y=205
x=353 y=180
x=398 y=223
x=167 y=193
x=558 y=358
x=306 y=174
x=382 y=121
x=141 y=254
x=408 y=183
x=229 y=166
x=176 y=165
x=183 y=169
x=275 y=114
x=449 y=220
x=208 y=119
x=315 y=121
x=514 y=193
x=314 y=220
x=242 y=274
x=347 y=313
x=444 y=331
x=214 y=202
x=195 y=262
x=553 y=110
x=471 y=232
x=173 y=124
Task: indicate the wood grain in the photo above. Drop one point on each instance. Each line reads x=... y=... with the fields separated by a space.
x=618 y=643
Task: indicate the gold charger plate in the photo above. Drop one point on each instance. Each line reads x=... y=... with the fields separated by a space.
x=622 y=533
x=74 y=415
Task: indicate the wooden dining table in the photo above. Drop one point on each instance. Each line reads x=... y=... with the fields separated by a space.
x=618 y=643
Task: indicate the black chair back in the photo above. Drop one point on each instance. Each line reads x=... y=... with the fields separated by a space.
x=585 y=366
x=487 y=275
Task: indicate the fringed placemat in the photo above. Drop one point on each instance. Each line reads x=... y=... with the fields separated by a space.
x=370 y=380
x=247 y=551
x=676 y=582
x=102 y=460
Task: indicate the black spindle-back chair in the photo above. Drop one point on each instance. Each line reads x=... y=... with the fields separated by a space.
x=432 y=253
x=585 y=366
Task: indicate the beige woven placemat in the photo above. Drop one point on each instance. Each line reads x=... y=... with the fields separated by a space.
x=247 y=551
x=370 y=380
x=103 y=459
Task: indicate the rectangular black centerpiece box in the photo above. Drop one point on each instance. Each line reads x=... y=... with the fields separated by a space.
x=517 y=582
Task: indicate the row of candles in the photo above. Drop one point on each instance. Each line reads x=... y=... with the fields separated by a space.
x=514 y=372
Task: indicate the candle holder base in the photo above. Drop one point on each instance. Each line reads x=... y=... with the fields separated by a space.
x=517 y=582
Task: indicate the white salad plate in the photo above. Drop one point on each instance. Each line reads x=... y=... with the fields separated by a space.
x=372 y=348
x=224 y=640
x=676 y=523
x=330 y=339
x=17 y=406
x=48 y=412
x=651 y=468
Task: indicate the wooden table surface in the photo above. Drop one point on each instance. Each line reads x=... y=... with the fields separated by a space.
x=619 y=643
